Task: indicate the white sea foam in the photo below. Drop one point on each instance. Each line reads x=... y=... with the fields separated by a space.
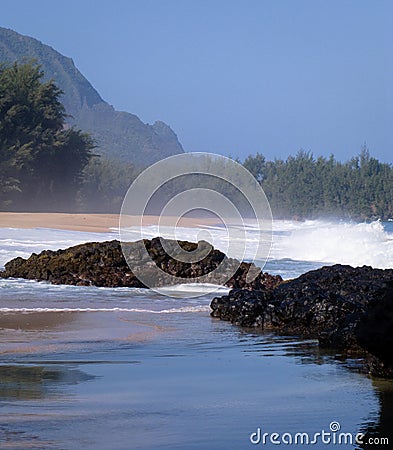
x=356 y=244
x=236 y=241
x=319 y=241
x=183 y=309
x=16 y=242
x=201 y=288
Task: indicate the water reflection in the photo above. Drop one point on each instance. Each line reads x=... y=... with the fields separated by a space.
x=31 y=382
x=303 y=351
x=379 y=422
x=381 y=426
x=222 y=382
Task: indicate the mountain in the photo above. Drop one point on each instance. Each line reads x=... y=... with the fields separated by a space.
x=119 y=135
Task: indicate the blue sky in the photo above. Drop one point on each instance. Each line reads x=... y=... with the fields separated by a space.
x=234 y=77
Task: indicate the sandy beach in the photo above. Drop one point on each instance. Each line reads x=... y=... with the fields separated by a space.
x=61 y=221
x=99 y=223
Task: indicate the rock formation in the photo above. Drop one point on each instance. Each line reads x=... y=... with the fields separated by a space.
x=103 y=264
x=346 y=308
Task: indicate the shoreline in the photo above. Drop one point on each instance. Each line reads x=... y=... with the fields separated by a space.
x=96 y=223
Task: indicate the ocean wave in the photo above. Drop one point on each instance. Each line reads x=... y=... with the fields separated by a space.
x=183 y=309
x=196 y=287
x=25 y=284
x=321 y=241
x=356 y=244
x=22 y=242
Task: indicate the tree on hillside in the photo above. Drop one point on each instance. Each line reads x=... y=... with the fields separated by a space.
x=41 y=161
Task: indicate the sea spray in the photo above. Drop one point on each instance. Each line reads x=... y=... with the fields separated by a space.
x=324 y=242
x=356 y=244
x=319 y=241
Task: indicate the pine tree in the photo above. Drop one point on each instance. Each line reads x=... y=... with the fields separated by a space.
x=41 y=161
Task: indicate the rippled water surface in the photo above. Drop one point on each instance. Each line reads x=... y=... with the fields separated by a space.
x=93 y=368
x=123 y=377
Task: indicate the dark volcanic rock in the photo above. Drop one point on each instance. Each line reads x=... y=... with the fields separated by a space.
x=103 y=264
x=98 y=264
x=374 y=332
x=343 y=307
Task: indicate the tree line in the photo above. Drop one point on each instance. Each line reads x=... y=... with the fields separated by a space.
x=47 y=166
x=307 y=187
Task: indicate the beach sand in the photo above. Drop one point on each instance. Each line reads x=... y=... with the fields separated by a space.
x=90 y=222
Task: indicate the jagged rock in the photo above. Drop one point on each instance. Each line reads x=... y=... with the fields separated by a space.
x=103 y=264
x=346 y=308
x=374 y=332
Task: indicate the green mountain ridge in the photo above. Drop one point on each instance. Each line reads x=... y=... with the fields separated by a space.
x=119 y=135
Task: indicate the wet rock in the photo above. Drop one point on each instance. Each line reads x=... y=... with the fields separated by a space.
x=103 y=264
x=350 y=309
x=374 y=332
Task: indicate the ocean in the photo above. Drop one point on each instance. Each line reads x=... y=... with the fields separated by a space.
x=102 y=368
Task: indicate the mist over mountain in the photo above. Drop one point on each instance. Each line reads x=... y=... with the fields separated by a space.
x=119 y=135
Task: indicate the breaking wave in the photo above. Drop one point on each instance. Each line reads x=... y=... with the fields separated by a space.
x=356 y=244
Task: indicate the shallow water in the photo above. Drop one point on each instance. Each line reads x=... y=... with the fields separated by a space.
x=172 y=380
x=179 y=392
x=94 y=368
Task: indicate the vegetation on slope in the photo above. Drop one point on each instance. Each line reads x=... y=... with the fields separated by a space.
x=118 y=135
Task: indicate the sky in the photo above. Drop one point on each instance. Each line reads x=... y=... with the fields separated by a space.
x=234 y=77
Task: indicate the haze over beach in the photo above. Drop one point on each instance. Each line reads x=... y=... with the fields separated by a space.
x=196 y=224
